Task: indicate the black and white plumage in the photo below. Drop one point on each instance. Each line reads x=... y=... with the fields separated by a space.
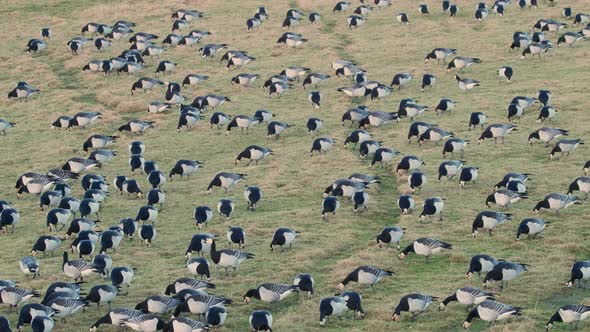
x=244 y=79
x=35 y=45
x=468 y=174
x=581 y=184
x=569 y=313
x=29 y=311
x=4 y=125
x=491 y=311
x=461 y=62
x=145 y=322
x=425 y=247
x=580 y=271
x=49 y=198
x=440 y=53
x=378 y=118
x=565 y=146
x=417 y=129
x=225 y=207
x=242 y=122
x=9 y=217
x=227 y=258
x=110 y=239
x=313 y=125
x=78 y=269
x=531 y=227
x=236 y=235
x=282 y=237
x=202 y=215
x=198 y=266
x=434 y=134
x=481 y=14
x=330 y=204
x=506 y=72
x=225 y=180
x=445 y=105
x=89 y=206
x=261 y=320
x=569 y=38
x=102 y=294
x=46 y=243
x=496 y=131
x=536 y=49
x=145 y=83
x=185 y=167
x=546 y=113
x=331 y=306
x=413 y=303
x=122 y=276
x=136 y=126
x=158 y=304
x=198 y=244
x=276 y=128
x=305 y=283
x=115 y=317
x=512 y=176
x=406 y=204
x=557 y=202
x=270 y=292
x=253 y=153
x=488 y=221
x=546 y=134
x=477 y=119
x=147 y=213
x=35 y=185
x=384 y=156
x=147 y=234
x=365 y=275
x=60 y=216
x=401 y=79
x=466 y=84
x=449 y=169
x=13 y=296
x=30 y=266
x=469 y=296
x=42 y=324
x=432 y=207
x=194 y=79
x=504 y=198
x=402 y=18
x=504 y=272
x=321 y=145
x=216 y=316
x=390 y=235
x=416 y=180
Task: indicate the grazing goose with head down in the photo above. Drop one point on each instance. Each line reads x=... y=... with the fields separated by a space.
x=425 y=247
x=491 y=311
x=413 y=303
x=469 y=296
x=270 y=292
x=365 y=275
x=569 y=313
x=557 y=202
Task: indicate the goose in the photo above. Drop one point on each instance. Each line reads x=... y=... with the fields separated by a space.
x=346 y=187
x=35 y=46
x=209 y=50
x=330 y=204
x=276 y=128
x=355 y=21
x=482 y=13
x=382 y=3
x=98 y=141
x=580 y=271
x=282 y=237
x=497 y=130
x=136 y=126
x=331 y=306
x=581 y=184
x=417 y=129
x=314 y=18
x=390 y=235
x=77 y=269
x=292 y=40
x=270 y=292
x=434 y=134
x=423 y=9
x=198 y=266
x=244 y=79
x=477 y=119
x=9 y=217
x=253 y=153
x=261 y=320
x=411 y=110
x=504 y=198
x=147 y=234
x=557 y=202
x=369 y=147
x=104 y=262
x=121 y=276
x=546 y=134
x=304 y=282
x=569 y=313
x=356 y=114
x=402 y=18
x=461 y=62
x=401 y=80
x=357 y=137
x=203 y=214
x=131 y=187
x=314 y=125
x=491 y=311
x=89 y=206
x=546 y=113
x=198 y=244
x=531 y=227
x=185 y=167
x=30 y=266
x=102 y=155
x=31 y=310
x=49 y=198
x=128 y=67
x=102 y=294
x=357 y=90
x=468 y=174
x=514 y=110
x=194 y=79
x=581 y=18
x=110 y=239
x=4 y=125
x=46 y=33
x=506 y=72
x=535 y=49
x=384 y=156
x=565 y=146
x=416 y=180
x=364 y=178
x=46 y=243
x=445 y=105
x=227 y=257
x=225 y=180
x=553 y=26
x=315 y=79
x=432 y=207
x=289 y=22
x=219 y=119
x=380 y=91
x=440 y=53
x=413 y=303
x=115 y=317
x=216 y=316
x=252 y=194
x=156 y=179
x=78 y=225
x=239 y=60
x=504 y=272
x=241 y=121
x=523 y=101
x=199 y=304
x=469 y=296
x=225 y=207
x=341 y=6
x=13 y=296
x=406 y=204
x=83 y=247
x=454 y=145
x=187 y=283
x=489 y=220
x=78 y=165
x=425 y=247
x=253 y=23
x=145 y=84
x=453 y=10
x=512 y=176
x=42 y=324
x=158 y=304
x=365 y=275
x=321 y=145
x=449 y=169
x=145 y=323
x=466 y=84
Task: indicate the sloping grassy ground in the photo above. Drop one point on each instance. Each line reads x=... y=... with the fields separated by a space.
x=291 y=181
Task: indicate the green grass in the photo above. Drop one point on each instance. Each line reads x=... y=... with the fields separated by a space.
x=292 y=182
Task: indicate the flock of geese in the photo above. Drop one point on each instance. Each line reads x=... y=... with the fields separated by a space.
x=186 y=304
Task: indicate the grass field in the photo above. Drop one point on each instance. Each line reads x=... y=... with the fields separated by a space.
x=292 y=181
